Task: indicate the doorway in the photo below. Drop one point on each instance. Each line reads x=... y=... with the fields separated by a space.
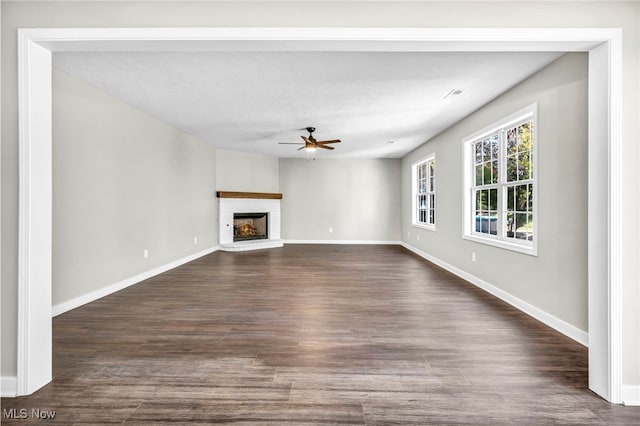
x=605 y=63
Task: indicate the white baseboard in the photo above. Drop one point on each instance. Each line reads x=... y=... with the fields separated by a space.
x=382 y=242
x=631 y=395
x=542 y=316
x=105 y=291
x=8 y=386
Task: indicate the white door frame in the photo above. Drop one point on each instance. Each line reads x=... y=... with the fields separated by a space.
x=35 y=47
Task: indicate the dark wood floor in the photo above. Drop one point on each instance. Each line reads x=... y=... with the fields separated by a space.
x=313 y=335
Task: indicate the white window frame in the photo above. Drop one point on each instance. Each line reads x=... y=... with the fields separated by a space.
x=414 y=193
x=468 y=228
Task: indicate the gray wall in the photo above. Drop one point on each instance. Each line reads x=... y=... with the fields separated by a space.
x=123 y=182
x=358 y=198
x=243 y=172
x=624 y=15
x=556 y=280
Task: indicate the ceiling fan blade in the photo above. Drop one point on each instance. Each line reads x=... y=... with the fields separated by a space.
x=290 y=143
x=310 y=142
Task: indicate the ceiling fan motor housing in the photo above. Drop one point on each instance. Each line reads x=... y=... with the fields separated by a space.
x=311 y=130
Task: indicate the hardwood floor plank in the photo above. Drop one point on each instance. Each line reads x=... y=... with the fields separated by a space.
x=252 y=413
x=374 y=382
x=313 y=334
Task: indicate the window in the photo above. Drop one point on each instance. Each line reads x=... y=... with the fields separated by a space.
x=424 y=192
x=500 y=183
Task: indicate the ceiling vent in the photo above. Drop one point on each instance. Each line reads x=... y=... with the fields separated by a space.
x=454 y=92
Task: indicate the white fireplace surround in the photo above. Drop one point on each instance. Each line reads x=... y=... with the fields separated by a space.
x=228 y=206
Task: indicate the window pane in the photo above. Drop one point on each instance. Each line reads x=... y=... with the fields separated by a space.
x=512 y=141
x=484 y=200
x=478 y=200
x=493 y=199
x=432 y=216
x=494 y=171
x=422 y=201
x=482 y=221
x=478 y=146
x=487 y=173
x=524 y=165
x=530 y=191
x=522 y=196
x=493 y=223
x=512 y=168
x=511 y=198
x=524 y=137
x=521 y=226
x=423 y=216
x=530 y=227
x=486 y=150
x=510 y=224
x=432 y=201
x=495 y=145
x=479 y=175
x=432 y=168
x=422 y=188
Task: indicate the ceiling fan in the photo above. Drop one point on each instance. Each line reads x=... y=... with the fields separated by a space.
x=310 y=143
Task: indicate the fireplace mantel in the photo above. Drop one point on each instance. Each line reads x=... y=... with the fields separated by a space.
x=259 y=195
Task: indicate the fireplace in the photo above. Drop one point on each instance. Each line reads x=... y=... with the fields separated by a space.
x=248 y=220
x=250 y=226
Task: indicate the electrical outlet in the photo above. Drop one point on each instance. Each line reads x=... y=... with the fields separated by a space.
x=195 y=240
x=331 y=230
x=473 y=256
x=145 y=253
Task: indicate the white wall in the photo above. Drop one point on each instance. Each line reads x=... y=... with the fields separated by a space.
x=624 y=15
x=556 y=280
x=243 y=172
x=357 y=198
x=123 y=182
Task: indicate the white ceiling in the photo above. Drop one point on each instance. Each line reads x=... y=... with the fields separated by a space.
x=250 y=101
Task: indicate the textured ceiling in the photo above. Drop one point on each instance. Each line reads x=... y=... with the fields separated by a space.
x=250 y=101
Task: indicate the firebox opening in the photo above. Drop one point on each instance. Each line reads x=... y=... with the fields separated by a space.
x=250 y=226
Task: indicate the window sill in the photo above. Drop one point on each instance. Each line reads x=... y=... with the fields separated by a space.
x=421 y=226
x=531 y=250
